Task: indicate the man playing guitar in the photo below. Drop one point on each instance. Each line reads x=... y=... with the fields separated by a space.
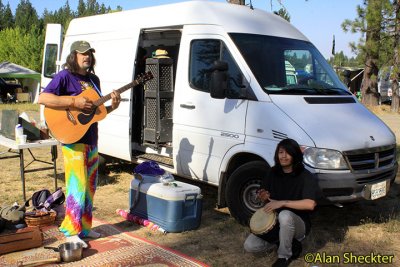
x=68 y=92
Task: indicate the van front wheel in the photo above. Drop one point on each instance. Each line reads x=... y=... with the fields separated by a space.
x=241 y=190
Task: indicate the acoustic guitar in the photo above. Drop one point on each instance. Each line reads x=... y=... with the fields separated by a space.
x=69 y=125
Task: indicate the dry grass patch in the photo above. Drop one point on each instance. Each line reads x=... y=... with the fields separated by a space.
x=21 y=107
x=380 y=110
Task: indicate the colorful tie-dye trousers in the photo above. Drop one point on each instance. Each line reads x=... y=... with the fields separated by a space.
x=80 y=164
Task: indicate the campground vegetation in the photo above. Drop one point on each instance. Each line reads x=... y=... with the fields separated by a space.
x=379 y=23
x=22 y=32
x=22 y=37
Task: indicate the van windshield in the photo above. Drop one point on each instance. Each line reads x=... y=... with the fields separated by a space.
x=288 y=66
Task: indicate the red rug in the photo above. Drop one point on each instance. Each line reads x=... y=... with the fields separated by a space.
x=114 y=248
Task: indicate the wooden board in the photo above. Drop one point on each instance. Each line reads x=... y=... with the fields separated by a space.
x=30 y=237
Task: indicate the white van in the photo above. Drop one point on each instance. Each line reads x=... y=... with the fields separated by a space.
x=220 y=101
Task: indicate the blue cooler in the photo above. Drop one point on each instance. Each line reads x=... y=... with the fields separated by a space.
x=174 y=206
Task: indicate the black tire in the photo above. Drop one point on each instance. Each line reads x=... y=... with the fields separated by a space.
x=102 y=168
x=241 y=190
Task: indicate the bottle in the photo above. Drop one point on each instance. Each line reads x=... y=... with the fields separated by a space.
x=19 y=131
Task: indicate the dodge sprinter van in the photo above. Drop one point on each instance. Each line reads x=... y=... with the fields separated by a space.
x=229 y=83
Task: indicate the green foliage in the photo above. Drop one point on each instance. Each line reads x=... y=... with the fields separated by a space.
x=22 y=47
x=6 y=17
x=62 y=16
x=376 y=24
x=22 y=36
x=91 y=7
x=341 y=60
x=26 y=16
x=282 y=12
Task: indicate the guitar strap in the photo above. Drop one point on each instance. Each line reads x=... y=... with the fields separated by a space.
x=95 y=87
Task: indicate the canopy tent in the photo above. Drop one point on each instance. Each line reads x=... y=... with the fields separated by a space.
x=11 y=70
x=355 y=76
x=29 y=79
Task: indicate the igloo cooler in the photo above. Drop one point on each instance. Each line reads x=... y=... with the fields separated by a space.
x=174 y=206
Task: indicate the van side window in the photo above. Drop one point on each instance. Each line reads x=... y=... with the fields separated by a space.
x=50 y=60
x=203 y=53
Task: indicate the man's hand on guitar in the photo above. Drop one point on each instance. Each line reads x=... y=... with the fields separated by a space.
x=115 y=99
x=86 y=102
x=83 y=104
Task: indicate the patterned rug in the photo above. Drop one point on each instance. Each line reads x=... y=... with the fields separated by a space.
x=114 y=248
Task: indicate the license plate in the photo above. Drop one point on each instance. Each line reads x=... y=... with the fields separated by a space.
x=378 y=190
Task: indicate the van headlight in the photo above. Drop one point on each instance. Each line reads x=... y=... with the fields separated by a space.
x=321 y=158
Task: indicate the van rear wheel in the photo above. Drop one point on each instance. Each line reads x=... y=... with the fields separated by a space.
x=102 y=168
x=241 y=190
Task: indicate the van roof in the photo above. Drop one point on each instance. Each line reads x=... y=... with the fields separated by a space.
x=233 y=18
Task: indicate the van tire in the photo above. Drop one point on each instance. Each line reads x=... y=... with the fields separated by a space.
x=102 y=168
x=241 y=190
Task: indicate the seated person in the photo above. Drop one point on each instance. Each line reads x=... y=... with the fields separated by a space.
x=291 y=191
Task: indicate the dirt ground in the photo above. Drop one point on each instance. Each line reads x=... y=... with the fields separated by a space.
x=365 y=228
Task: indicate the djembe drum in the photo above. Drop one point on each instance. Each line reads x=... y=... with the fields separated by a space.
x=261 y=221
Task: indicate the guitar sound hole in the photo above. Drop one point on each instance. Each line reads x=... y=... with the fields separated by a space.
x=87 y=113
x=85 y=118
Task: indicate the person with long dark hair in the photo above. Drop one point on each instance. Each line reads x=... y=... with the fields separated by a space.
x=291 y=192
x=81 y=157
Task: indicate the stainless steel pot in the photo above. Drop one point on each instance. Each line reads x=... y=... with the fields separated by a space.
x=69 y=251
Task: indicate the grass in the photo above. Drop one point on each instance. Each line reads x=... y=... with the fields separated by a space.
x=21 y=107
x=393 y=226
x=380 y=109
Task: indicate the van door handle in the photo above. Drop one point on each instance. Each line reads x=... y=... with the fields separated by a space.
x=188 y=106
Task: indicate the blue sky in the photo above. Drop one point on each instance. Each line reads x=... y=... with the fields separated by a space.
x=319 y=20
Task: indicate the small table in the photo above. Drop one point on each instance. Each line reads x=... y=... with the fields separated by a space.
x=19 y=150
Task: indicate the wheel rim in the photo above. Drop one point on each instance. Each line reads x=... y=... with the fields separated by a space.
x=249 y=195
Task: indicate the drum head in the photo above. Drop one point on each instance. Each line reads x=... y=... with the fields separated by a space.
x=262 y=221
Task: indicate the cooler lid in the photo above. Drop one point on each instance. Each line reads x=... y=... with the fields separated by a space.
x=174 y=191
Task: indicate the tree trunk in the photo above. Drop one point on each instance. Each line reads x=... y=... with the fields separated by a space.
x=237 y=2
x=396 y=65
x=369 y=87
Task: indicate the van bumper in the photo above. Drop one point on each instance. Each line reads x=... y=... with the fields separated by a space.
x=351 y=187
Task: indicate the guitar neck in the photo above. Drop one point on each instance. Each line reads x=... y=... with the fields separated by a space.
x=107 y=97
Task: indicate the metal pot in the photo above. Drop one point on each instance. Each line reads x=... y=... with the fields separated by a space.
x=69 y=251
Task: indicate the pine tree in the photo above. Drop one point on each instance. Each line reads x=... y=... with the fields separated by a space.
x=370 y=22
x=283 y=13
x=81 y=9
x=369 y=87
x=26 y=16
x=396 y=71
x=1 y=15
x=6 y=17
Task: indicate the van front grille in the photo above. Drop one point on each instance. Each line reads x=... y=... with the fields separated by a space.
x=376 y=178
x=371 y=159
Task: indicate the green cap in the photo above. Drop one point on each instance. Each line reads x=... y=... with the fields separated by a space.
x=81 y=47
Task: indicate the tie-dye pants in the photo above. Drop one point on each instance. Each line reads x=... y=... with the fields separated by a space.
x=81 y=164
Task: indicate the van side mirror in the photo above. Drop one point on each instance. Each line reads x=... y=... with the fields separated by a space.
x=219 y=79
